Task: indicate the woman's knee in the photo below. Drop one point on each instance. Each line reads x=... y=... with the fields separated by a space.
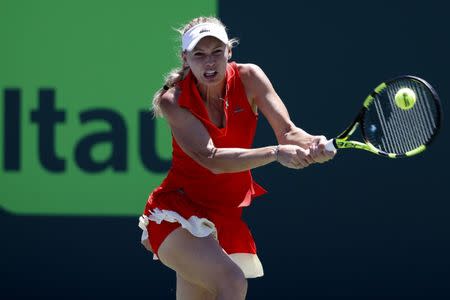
x=231 y=281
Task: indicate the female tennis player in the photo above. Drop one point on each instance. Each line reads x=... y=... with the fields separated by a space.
x=192 y=221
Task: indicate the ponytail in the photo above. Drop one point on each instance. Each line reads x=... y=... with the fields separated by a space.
x=174 y=76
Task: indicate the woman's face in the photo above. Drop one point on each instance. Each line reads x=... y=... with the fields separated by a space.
x=208 y=60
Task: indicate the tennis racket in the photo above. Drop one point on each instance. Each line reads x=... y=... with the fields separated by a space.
x=400 y=118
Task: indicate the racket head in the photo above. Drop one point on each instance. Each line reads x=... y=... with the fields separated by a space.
x=393 y=131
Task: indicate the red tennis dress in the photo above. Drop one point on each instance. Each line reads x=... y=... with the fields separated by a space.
x=201 y=202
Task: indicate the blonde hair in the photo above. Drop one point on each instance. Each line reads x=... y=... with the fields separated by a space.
x=178 y=74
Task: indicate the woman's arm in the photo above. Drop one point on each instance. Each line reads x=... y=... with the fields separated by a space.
x=261 y=92
x=196 y=142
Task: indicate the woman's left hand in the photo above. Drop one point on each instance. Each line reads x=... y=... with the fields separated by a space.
x=317 y=149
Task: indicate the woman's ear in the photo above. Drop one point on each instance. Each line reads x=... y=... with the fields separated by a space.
x=184 y=58
x=229 y=54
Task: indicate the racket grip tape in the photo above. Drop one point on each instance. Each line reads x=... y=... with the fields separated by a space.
x=329 y=146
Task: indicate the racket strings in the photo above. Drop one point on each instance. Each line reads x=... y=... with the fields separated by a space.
x=395 y=130
x=405 y=134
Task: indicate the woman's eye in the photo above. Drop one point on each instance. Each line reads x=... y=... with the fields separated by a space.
x=198 y=54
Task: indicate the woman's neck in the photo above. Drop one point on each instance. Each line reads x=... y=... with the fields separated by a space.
x=212 y=93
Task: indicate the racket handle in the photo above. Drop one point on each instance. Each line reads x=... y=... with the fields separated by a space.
x=329 y=146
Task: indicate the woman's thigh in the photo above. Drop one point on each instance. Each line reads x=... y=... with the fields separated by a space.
x=199 y=260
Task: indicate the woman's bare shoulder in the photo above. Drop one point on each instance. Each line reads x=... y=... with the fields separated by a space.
x=169 y=100
x=248 y=70
x=253 y=77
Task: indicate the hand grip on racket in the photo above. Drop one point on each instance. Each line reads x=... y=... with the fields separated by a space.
x=400 y=118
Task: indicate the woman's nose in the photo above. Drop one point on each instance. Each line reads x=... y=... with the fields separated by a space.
x=210 y=60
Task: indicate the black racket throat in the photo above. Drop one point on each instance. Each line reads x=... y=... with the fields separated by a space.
x=357 y=122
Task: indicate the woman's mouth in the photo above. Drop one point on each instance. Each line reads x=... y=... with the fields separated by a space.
x=210 y=74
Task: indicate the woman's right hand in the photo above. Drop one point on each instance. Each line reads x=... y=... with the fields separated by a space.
x=294 y=157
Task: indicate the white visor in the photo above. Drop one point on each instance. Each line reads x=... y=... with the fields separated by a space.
x=199 y=31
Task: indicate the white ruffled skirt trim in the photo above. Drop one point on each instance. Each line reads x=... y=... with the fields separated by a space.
x=201 y=227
